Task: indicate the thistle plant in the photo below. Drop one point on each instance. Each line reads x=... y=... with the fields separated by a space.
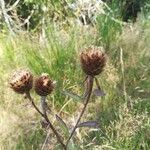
x=92 y=59
x=22 y=81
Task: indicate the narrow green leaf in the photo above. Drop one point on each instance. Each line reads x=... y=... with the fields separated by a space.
x=63 y=125
x=72 y=95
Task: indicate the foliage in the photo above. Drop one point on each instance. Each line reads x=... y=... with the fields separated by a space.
x=56 y=51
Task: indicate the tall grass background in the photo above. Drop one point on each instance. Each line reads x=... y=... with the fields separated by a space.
x=123 y=113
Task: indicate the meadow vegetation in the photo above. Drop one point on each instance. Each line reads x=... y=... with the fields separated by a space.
x=123 y=114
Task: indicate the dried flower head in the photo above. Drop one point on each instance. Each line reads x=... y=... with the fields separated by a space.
x=43 y=85
x=21 y=81
x=93 y=60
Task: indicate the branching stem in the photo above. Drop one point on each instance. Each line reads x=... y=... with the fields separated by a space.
x=44 y=115
x=89 y=88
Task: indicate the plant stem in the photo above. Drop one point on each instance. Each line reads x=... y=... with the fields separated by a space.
x=97 y=83
x=32 y=102
x=43 y=104
x=89 y=85
x=44 y=115
x=55 y=132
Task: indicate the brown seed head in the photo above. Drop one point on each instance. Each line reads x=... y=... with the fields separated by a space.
x=21 y=81
x=93 y=60
x=43 y=85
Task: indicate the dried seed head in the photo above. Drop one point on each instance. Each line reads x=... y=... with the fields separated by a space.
x=21 y=81
x=93 y=60
x=43 y=85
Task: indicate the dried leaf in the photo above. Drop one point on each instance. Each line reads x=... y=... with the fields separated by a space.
x=98 y=92
x=91 y=124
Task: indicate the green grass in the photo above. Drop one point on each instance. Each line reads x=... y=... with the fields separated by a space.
x=121 y=127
